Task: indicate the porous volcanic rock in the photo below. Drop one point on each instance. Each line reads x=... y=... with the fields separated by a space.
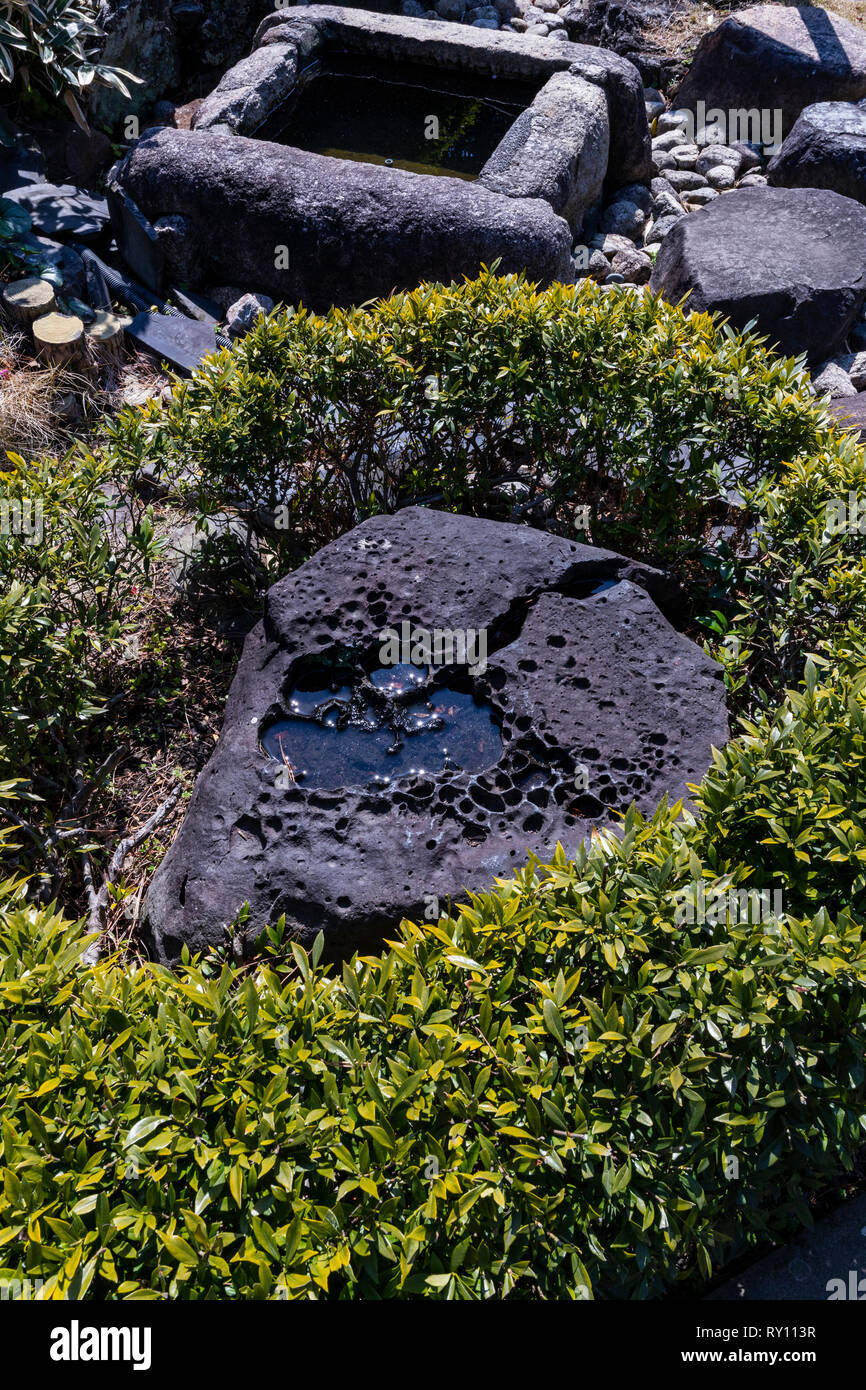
x=794 y=258
x=600 y=702
x=348 y=235
x=825 y=149
x=777 y=57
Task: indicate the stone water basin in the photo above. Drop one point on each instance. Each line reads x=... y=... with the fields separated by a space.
x=589 y=699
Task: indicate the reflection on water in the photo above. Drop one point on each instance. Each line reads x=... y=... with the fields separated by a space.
x=336 y=736
x=411 y=117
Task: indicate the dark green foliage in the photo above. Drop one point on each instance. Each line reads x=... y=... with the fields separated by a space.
x=452 y=395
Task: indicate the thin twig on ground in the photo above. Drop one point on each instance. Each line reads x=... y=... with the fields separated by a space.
x=97 y=916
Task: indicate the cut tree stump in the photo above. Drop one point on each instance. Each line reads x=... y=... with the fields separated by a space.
x=107 y=327
x=106 y=336
x=26 y=300
x=59 y=338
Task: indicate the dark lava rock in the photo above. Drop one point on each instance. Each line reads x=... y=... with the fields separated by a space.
x=595 y=701
x=170 y=42
x=850 y=411
x=348 y=233
x=777 y=57
x=794 y=258
x=825 y=149
x=140 y=38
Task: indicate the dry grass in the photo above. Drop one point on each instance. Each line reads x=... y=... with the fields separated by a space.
x=681 y=32
x=140 y=380
x=43 y=407
x=852 y=10
x=32 y=398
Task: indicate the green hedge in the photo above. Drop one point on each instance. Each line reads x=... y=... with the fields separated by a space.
x=70 y=579
x=497 y=398
x=457 y=394
x=434 y=1123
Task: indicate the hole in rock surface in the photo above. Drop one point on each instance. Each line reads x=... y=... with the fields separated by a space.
x=409 y=116
x=349 y=728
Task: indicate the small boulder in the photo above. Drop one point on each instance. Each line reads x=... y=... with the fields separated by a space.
x=686 y=156
x=714 y=155
x=672 y=120
x=765 y=254
x=831 y=380
x=597 y=266
x=682 y=180
x=699 y=197
x=753 y=155
x=664 y=226
x=243 y=315
x=721 y=177
x=634 y=266
x=609 y=243
x=669 y=140
x=826 y=149
x=623 y=218
x=667 y=204
x=853 y=364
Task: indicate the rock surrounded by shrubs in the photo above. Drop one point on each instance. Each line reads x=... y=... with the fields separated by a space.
x=580 y=1084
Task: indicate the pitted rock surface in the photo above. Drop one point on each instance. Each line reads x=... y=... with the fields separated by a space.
x=576 y=678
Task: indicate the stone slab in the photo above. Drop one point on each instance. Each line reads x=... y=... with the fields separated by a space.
x=182 y=341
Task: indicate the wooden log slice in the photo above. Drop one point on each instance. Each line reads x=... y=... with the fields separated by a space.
x=26 y=300
x=59 y=338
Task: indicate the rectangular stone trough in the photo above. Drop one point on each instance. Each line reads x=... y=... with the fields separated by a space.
x=236 y=201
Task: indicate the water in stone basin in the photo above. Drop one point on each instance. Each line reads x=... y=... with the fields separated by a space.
x=375 y=729
x=416 y=118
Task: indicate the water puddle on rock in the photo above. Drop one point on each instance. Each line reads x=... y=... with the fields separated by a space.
x=370 y=729
x=409 y=116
